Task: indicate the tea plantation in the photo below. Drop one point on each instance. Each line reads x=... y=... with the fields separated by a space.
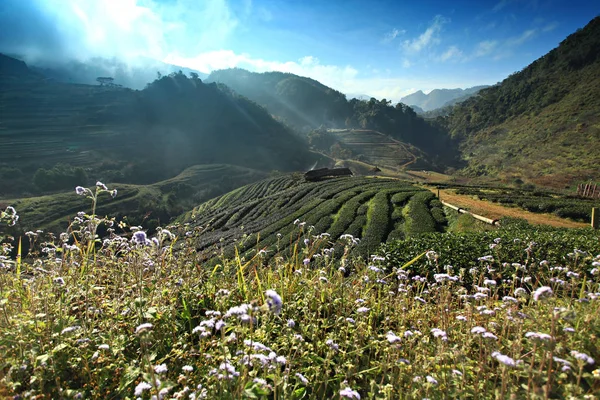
x=269 y=214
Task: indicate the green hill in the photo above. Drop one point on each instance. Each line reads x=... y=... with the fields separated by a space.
x=262 y=215
x=65 y=133
x=306 y=104
x=146 y=205
x=542 y=124
x=300 y=102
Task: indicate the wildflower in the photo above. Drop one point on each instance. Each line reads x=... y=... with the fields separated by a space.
x=59 y=281
x=374 y=268
x=568 y=329
x=583 y=357
x=408 y=334
x=542 y=293
x=538 y=336
x=509 y=299
x=104 y=347
x=332 y=345
x=144 y=327
x=596 y=373
x=80 y=190
x=431 y=379
x=187 y=368
x=478 y=330
x=461 y=318
x=291 y=323
x=302 y=378
x=489 y=282
x=506 y=360
x=306 y=261
x=349 y=394
x=362 y=310
x=160 y=369
x=70 y=329
x=140 y=237
x=457 y=372
x=274 y=301
x=445 y=277
x=219 y=324
x=520 y=292
x=438 y=333
x=350 y=320
x=141 y=387
x=392 y=338
x=489 y=335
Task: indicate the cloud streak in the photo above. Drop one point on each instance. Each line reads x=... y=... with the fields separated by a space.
x=428 y=38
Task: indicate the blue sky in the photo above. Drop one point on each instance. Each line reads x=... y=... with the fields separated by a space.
x=379 y=48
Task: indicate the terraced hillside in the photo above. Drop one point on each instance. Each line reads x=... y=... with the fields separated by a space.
x=121 y=135
x=276 y=213
x=378 y=149
x=147 y=204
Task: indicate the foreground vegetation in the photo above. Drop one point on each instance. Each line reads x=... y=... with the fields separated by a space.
x=131 y=316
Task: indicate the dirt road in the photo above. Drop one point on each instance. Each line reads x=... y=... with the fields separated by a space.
x=497 y=211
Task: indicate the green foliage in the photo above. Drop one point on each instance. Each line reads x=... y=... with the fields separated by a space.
x=126 y=318
x=538 y=123
x=60 y=177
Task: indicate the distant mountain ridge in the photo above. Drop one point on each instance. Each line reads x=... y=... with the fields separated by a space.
x=439 y=97
x=539 y=125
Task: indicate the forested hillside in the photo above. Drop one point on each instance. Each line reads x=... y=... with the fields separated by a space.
x=306 y=104
x=55 y=135
x=540 y=124
x=439 y=97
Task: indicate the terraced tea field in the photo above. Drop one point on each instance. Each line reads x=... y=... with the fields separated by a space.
x=275 y=213
x=377 y=148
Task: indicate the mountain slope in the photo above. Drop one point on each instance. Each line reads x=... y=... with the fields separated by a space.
x=439 y=97
x=541 y=124
x=122 y=135
x=302 y=103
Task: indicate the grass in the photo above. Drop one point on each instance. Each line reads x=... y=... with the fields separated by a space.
x=141 y=317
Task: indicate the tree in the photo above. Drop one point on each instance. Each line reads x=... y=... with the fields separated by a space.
x=106 y=80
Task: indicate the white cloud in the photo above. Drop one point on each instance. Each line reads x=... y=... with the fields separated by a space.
x=550 y=27
x=393 y=34
x=428 y=38
x=485 y=47
x=525 y=36
x=406 y=63
x=453 y=53
x=499 y=6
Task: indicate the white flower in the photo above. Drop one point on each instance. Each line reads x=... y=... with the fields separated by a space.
x=542 y=293
x=141 y=387
x=291 y=323
x=542 y=337
x=583 y=357
x=274 y=301
x=160 y=369
x=478 y=330
x=438 y=333
x=349 y=394
x=362 y=310
x=104 y=347
x=431 y=380
x=392 y=338
x=302 y=378
x=506 y=360
x=144 y=327
x=187 y=368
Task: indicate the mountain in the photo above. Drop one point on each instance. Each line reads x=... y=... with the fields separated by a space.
x=135 y=74
x=542 y=124
x=56 y=135
x=439 y=97
x=302 y=103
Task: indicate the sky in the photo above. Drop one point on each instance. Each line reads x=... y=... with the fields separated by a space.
x=385 y=49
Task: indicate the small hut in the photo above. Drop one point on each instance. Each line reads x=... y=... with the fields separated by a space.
x=324 y=173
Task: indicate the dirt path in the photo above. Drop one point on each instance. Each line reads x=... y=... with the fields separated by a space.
x=497 y=211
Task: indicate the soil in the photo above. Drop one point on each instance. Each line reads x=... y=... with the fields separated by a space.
x=497 y=211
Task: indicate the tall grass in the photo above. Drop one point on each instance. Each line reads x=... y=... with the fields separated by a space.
x=129 y=316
